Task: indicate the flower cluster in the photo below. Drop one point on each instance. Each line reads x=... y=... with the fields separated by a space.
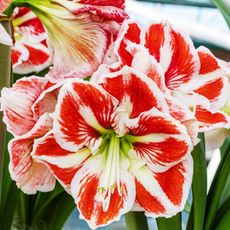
x=122 y=140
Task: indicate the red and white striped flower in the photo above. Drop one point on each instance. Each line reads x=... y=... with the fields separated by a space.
x=80 y=33
x=193 y=76
x=27 y=108
x=114 y=144
x=30 y=52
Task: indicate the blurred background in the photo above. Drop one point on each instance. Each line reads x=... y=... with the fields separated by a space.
x=205 y=24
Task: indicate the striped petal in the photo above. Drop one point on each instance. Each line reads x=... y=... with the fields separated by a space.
x=106 y=10
x=90 y=196
x=83 y=113
x=28 y=57
x=47 y=100
x=174 y=51
x=154 y=135
x=209 y=119
x=30 y=175
x=134 y=90
x=163 y=194
x=16 y=103
x=129 y=33
x=63 y=164
x=26 y=24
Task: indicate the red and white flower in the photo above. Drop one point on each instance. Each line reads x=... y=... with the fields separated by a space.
x=27 y=108
x=30 y=52
x=114 y=144
x=80 y=33
x=193 y=76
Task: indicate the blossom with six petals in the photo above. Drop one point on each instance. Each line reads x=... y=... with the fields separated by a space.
x=111 y=148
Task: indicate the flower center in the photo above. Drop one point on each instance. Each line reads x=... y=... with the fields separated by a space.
x=114 y=150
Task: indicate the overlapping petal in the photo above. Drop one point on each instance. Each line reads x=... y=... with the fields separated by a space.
x=82 y=113
x=30 y=52
x=30 y=175
x=92 y=29
x=97 y=206
x=16 y=103
x=63 y=164
x=159 y=139
x=163 y=194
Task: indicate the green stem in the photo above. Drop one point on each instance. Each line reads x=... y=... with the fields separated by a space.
x=199 y=187
x=5 y=80
x=169 y=223
x=217 y=188
x=136 y=221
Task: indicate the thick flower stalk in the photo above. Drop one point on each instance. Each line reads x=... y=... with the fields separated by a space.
x=27 y=108
x=115 y=145
x=30 y=52
x=193 y=76
x=80 y=32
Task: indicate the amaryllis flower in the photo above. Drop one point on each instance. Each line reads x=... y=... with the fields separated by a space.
x=193 y=76
x=27 y=108
x=30 y=52
x=114 y=145
x=5 y=38
x=80 y=33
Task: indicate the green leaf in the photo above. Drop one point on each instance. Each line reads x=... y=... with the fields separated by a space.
x=61 y=208
x=224 y=8
x=224 y=222
x=199 y=187
x=9 y=193
x=218 y=185
x=43 y=203
x=136 y=221
x=170 y=223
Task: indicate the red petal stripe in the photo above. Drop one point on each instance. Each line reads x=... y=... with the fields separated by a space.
x=147 y=200
x=172 y=182
x=154 y=39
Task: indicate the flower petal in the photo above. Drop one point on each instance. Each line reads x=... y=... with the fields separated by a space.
x=82 y=113
x=135 y=91
x=16 y=103
x=5 y=38
x=153 y=137
x=28 y=57
x=30 y=175
x=87 y=193
x=164 y=194
x=130 y=32
x=209 y=120
x=174 y=51
x=63 y=164
x=47 y=100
